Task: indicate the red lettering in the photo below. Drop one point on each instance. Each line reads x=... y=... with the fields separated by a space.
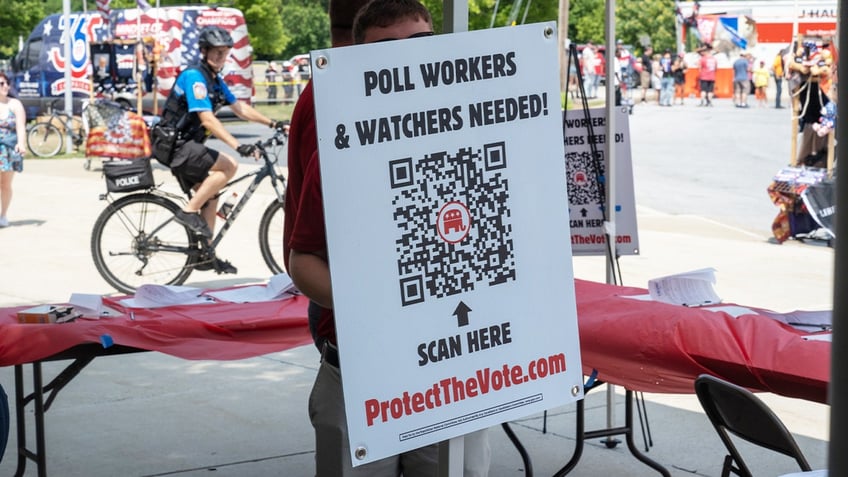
x=372 y=410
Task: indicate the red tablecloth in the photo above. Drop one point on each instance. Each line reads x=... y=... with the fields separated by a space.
x=656 y=347
x=641 y=345
x=221 y=331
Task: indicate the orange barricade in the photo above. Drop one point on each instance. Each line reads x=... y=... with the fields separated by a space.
x=723 y=84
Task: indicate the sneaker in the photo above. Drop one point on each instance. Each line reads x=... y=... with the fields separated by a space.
x=193 y=221
x=4 y=222
x=220 y=266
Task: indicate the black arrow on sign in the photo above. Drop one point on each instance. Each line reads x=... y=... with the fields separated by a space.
x=461 y=313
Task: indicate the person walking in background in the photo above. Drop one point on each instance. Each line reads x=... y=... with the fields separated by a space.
x=667 y=79
x=761 y=79
x=707 y=67
x=626 y=61
x=572 y=81
x=778 y=70
x=647 y=72
x=656 y=77
x=740 y=81
x=678 y=72
x=589 y=77
x=600 y=69
x=12 y=147
x=271 y=77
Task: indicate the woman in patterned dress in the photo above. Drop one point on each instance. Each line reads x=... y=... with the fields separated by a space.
x=12 y=147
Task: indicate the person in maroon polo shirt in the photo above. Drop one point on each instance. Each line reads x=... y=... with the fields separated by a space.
x=306 y=259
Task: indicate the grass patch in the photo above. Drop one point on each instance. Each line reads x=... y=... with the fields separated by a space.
x=281 y=111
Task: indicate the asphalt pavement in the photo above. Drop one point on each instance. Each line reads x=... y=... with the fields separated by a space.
x=150 y=414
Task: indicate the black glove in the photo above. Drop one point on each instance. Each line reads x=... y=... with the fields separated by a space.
x=246 y=150
x=278 y=125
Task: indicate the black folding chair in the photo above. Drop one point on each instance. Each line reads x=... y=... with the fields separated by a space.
x=734 y=409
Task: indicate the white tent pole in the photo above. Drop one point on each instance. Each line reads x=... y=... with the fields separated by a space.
x=609 y=175
x=69 y=85
x=837 y=460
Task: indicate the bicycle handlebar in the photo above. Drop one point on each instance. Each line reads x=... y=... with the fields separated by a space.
x=278 y=139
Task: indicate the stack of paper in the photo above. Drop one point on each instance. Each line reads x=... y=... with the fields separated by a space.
x=693 y=288
x=156 y=296
x=280 y=286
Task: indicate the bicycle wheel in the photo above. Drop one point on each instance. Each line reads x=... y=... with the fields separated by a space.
x=45 y=140
x=271 y=237
x=135 y=241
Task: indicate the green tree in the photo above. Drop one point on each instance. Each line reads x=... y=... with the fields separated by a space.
x=641 y=22
x=17 y=17
x=586 y=21
x=268 y=37
x=307 y=25
x=505 y=12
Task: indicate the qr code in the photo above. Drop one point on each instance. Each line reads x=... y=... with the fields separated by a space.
x=583 y=184
x=454 y=228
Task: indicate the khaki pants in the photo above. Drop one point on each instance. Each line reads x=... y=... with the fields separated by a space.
x=332 y=452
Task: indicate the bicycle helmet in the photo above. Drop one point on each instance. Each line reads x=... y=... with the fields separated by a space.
x=212 y=36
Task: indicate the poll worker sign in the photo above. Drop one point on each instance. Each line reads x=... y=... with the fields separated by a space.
x=447 y=232
x=586 y=196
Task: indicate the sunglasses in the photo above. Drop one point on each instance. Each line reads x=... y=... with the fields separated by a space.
x=420 y=34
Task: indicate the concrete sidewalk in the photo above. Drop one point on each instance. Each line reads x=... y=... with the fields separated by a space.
x=149 y=414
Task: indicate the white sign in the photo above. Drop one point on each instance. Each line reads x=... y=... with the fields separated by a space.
x=447 y=231
x=585 y=183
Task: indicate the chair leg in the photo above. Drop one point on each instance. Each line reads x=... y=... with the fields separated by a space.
x=729 y=468
x=728 y=465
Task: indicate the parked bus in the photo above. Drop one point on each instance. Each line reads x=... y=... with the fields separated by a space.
x=127 y=46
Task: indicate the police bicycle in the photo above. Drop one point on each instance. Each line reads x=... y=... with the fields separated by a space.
x=136 y=240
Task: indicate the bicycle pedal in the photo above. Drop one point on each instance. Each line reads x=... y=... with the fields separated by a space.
x=223 y=266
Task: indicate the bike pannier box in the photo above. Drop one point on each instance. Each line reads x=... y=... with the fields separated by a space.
x=128 y=175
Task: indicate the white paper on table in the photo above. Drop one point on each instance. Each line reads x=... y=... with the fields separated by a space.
x=276 y=289
x=820 y=337
x=91 y=306
x=156 y=296
x=646 y=297
x=809 y=321
x=733 y=310
x=693 y=288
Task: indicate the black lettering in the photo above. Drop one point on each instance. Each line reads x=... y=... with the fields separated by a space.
x=366 y=131
x=370 y=78
x=447 y=73
x=474 y=67
x=422 y=354
x=430 y=74
x=462 y=71
x=510 y=63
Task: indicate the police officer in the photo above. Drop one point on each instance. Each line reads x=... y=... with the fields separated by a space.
x=198 y=92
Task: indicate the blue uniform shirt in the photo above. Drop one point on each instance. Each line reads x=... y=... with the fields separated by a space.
x=192 y=94
x=192 y=84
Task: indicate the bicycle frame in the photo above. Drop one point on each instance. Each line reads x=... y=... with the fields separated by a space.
x=67 y=122
x=267 y=170
x=259 y=175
